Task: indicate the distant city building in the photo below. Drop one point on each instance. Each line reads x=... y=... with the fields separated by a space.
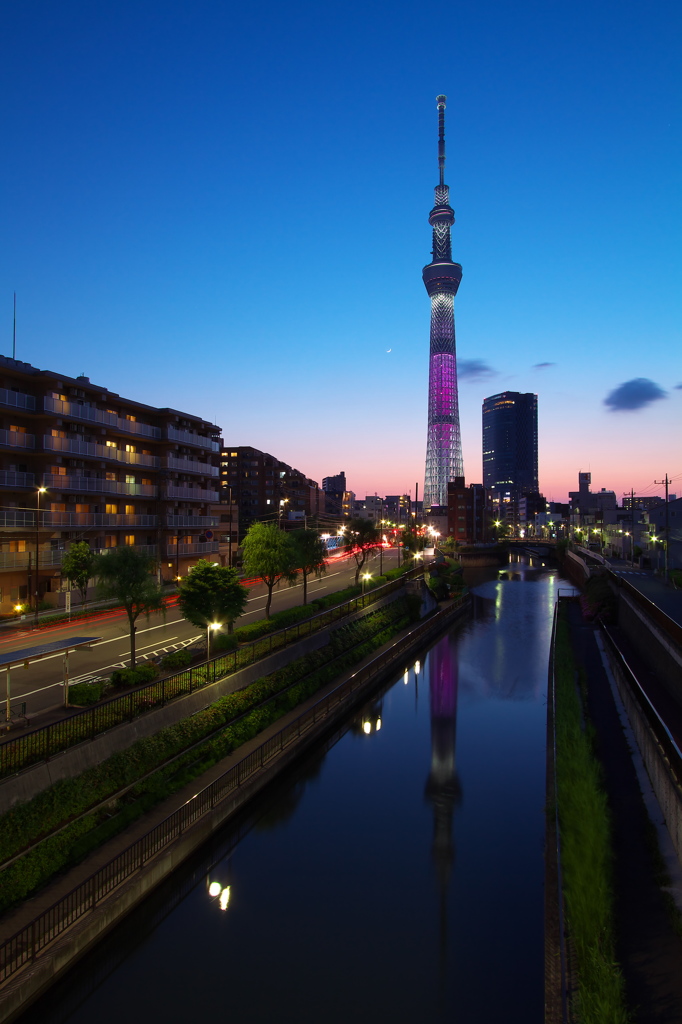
x=266 y=489
x=334 y=483
x=397 y=507
x=642 y=502
x=115 y=472
x=371 y=507
x=588 y=502
x=510 y=445
x=348 y=506
x=666 y=521
x=467 y=512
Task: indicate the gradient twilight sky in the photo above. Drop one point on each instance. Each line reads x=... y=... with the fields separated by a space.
x=224 y=208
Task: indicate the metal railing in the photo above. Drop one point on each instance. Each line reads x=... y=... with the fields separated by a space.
x=8 y=478
x=17 y=400
x=47 y=519
x=189 y=466
x=98 y=451
x=93 y=415
x=40 y=744
x=27 y=943
x=97 y=484
x=17 y=439
x=672 y=628
x=191 y=493
x=196 y=521
x=187 y=437
x=20 y=559
x=203 y=548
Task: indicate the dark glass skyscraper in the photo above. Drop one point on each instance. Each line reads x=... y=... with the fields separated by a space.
x=510 y=443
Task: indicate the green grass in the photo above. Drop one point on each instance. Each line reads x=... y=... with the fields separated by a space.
x=586 y=850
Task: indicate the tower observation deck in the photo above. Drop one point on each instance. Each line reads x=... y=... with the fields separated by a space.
x=441 y=279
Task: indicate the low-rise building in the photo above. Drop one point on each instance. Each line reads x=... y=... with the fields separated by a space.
x=266 y=489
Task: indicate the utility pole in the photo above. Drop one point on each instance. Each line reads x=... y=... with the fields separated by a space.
x=667 y=526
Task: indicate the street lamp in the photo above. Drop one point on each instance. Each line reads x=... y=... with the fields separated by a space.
x=282 y=503
x=41 y=490
x=365 y=576
x=209 y=627
x=178 y=538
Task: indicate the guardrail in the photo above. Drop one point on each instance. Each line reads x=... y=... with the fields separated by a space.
x=26 y=944
x=40 y=744
x=672 y=628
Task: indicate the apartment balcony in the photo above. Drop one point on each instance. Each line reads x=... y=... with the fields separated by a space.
x=19 y=559
x=17 y=439
x=8 y=478
x=17 y=400
x=98 y=451
x=187 y=437
x=74 y=520
x=86 y=412
x=147 y=549
x=189 y=466
x=190 y=493
x=205 y=548
x=96 y=485
x=197 y=522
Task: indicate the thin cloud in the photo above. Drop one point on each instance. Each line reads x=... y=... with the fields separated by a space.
x=543 y=366
x=474 y=369
x=634 y=394
x=678 y=387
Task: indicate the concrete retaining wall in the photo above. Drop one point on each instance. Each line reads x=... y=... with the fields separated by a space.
x=665 y=783
x=72 y=762
x=652 y=644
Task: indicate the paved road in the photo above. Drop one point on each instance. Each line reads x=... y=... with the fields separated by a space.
x=40 y=686
x=652 y=587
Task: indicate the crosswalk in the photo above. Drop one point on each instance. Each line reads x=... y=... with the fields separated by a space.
x=94 y=676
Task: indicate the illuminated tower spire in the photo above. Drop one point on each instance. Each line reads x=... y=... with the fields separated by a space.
x=441 y=278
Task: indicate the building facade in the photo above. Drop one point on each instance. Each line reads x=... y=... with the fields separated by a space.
x=510 y=445
x=81 y=463
x=265 y=489
x=441 y=278
x=467 y=512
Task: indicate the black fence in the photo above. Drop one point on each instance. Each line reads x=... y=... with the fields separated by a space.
x=38 y=745
x=27 y=943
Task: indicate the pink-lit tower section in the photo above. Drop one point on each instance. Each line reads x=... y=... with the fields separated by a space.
x=441 y=278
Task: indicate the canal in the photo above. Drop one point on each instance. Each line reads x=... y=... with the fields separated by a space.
x=396 y=875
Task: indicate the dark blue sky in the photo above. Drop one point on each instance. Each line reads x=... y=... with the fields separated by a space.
x=224 y=209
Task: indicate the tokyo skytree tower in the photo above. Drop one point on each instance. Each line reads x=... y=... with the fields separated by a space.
x=441 y=278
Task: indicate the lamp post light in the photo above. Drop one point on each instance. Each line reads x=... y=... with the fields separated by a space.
x=365 y=577
x=209 y=627
x=41 y=490
x=282 y=503
x=178 y=538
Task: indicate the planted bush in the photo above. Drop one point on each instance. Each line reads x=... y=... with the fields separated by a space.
x=82 y=694
x=127 y=677
x=176 y=659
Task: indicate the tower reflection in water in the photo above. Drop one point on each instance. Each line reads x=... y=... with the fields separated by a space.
x=443 y=790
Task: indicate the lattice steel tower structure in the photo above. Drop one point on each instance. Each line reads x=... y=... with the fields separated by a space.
x=441 y=278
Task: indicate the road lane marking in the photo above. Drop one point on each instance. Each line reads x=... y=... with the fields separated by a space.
x=137 y=649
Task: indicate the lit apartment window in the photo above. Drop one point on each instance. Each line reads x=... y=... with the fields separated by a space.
x=56 y=395
x=133 y=419
x=58 y=433
x=147 y=481
x=130 y=510
x=111 y=510
x=130 y=479
x=18 y=430
x=233 y=455
x=57 y=470
x=109 y=476
x=130 y=447
x=110 y=444
x=129 y=539
x=17 y=545
x=110 y=541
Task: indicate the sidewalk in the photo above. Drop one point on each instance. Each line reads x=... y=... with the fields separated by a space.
x=648 y=948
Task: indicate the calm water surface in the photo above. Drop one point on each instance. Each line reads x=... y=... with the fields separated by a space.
x=397 y=876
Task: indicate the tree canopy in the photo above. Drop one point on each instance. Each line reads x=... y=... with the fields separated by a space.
x=309 y=553
x=125 y=574
x=267 y=552
x=362 y=538
x=78 y=567
x=211 y=593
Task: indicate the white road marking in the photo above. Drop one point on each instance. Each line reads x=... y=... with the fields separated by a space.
x=147 y=645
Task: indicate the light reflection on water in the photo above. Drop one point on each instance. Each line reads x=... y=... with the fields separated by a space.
x=396 y=877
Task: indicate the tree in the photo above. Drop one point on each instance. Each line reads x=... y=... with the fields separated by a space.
x=309 y=556
x=362 y=538
x=410 y=540
x=267 y=552
x=78 y=567
x=124 y=574
x=211 y=593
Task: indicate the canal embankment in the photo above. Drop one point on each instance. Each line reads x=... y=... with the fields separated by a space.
x=90 y=908
x=621 y=932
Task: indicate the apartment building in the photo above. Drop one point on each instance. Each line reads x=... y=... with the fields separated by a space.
x=265 y=489
x=114 y=471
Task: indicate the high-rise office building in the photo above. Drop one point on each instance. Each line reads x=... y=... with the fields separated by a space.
x=441 y=278
x=510 y=444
